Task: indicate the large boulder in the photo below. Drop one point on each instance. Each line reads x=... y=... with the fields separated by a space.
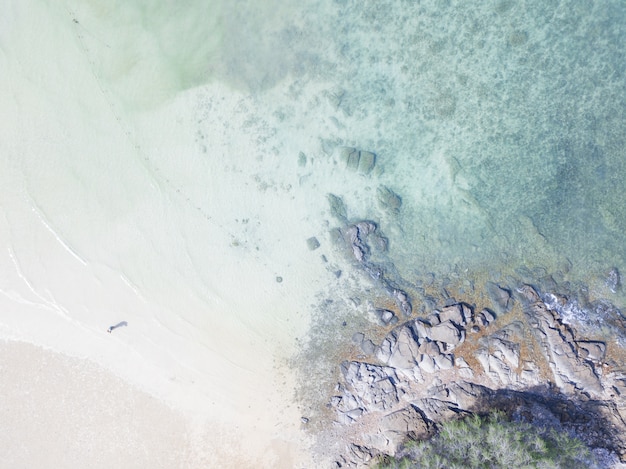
x=570 y=371
x=459 y=314
x=448 y=333
x=501 y=297
x=371 y=386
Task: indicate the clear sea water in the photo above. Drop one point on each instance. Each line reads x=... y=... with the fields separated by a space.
x=500 y=124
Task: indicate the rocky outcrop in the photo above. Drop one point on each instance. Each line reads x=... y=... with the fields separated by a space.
x=570 y=370
x=614 y=280
x=431 y=369
x=422 y=346
x=359 y=239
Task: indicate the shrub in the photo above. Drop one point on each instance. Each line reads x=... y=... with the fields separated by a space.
x=493 y=442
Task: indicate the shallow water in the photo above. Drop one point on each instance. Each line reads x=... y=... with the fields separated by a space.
x=499 y=124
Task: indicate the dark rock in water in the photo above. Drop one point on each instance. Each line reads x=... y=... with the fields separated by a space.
x=357 y=160
x=366 y=162
x=355 y=235
x=403 y=302
x=337 y=207
x=385 y=317
x=301 y=160
x=449 y=301
x=336 y=237
x=350 y=157
x=312 y=243
x=614 y=280
x=380 y=242
x=358 y=338
x=374 y=271
x=547 y=283
x=388 y=200
x=501 y=297
x=357 y=239
x=368 y=347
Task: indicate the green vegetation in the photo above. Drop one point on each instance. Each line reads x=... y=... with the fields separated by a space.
x=493 y=442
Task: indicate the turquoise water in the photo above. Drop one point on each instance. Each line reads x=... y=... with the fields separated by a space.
x=499 y=124
x=517 y=108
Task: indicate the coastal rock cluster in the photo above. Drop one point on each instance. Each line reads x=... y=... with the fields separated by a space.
x=521 y=353
x=359 y=239
x=457 y=361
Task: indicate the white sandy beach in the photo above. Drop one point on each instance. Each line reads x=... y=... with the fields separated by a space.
x=110 y=214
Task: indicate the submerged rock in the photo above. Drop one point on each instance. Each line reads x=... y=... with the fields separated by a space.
x=385 y=317
x=501 y=298
x=357 y=160
x=614 y=280
x=337 y=207
x=312 y=243
x=388 y=200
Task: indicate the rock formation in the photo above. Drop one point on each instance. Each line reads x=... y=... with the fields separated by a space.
x=520 y=354
x=357 y=160
x=454 y=362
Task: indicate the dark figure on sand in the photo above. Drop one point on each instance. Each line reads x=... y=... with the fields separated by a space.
x=120 y=324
